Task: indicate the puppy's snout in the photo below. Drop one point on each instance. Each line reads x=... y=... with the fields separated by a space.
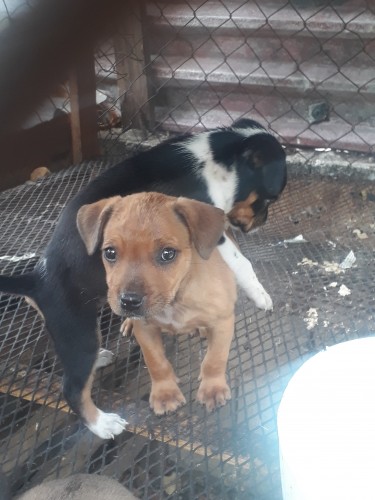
x=131 y=301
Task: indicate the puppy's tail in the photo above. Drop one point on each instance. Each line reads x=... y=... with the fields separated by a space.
x=24 y=284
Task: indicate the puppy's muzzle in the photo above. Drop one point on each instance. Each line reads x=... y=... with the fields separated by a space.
x=131 y=303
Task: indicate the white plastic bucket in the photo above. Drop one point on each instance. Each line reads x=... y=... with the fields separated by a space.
x=326 y=426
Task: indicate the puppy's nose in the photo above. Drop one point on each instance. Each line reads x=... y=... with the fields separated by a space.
x=131 y=301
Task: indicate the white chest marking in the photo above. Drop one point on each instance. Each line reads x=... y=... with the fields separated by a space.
x=169 y=317
x=221 y=183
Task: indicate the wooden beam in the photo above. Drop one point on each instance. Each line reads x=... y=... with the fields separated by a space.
x=82 y=83
x=130 y=67
x=37 y=51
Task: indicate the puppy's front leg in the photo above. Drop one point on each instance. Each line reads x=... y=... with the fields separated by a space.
x=245 y=275
x=73 y=328
x=165 y=394
x=214 y=390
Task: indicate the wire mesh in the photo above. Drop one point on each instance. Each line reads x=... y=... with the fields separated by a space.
x=233 y=452
x=303 y=68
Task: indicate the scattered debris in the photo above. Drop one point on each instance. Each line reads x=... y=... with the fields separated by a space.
x=170 y=483
x=39 y=173
x=329 y=267
x=333 y=284
x=363 y=194
x=344 y=291
x=18 y=258
x=325 y=323
x=296 y=239
x=311 y=319
x=361 y=235
x=307 y=262
x=349 y=260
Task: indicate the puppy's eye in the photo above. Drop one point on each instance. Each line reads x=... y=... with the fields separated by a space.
x=168 y=254
x=109 y=254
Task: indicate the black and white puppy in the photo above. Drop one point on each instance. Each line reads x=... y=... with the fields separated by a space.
x=240 y=169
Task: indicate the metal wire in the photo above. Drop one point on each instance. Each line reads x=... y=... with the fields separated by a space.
x=231 y=453
x=302 y=68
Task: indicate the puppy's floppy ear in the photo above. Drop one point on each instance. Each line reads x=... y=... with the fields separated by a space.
x=265 y=155
x=91 y=220
x=205 y=223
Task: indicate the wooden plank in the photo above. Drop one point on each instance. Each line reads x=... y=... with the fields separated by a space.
x=130 y=67
x=82 y=83
x=32 y=434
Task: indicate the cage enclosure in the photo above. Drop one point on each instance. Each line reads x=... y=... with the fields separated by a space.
x=304 y=70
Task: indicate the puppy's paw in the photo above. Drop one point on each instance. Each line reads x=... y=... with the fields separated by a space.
x=126 y=327
x=263 y=300
x=256 y=293
x=104 y=358
x=166 y=397
x=213 y=392
x=107 y=425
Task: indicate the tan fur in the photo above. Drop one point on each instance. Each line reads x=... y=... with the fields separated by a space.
x=88 y=408
x=243 y=215
x=33 y=304
x=79 y=487
x=195 y=291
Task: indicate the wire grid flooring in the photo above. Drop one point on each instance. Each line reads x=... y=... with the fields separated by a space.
x=231 y=453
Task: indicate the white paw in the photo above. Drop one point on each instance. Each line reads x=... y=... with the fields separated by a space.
x=264 y=301
x=260 y=297
x=108 y=425
x=104 y=358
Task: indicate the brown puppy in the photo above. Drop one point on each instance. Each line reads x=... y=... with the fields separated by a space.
x=165 y=273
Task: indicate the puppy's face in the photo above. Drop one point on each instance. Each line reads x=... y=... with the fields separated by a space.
x=261 y=166
x=149 y=244
x=249 y=214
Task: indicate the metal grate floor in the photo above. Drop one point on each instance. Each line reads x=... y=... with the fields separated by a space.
x=231 y=453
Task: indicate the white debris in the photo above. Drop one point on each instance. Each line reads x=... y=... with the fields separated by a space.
x=349 y=260
x=296 y=239
x=332 y=267
x=325 y=323
x=344 y=291
x=329 y=267
x=333 y=284
x=361 y=235
x=311 y=319
x=307 y=262
x=18 y=258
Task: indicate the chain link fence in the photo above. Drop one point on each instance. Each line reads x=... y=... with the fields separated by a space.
x=302 y=68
